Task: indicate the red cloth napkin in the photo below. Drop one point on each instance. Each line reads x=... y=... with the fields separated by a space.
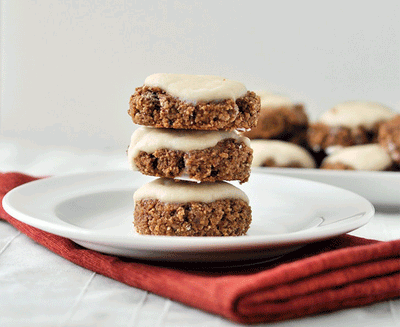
x=339 y=273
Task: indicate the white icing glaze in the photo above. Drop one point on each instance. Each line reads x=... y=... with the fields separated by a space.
x=333 y=148
x=362 y=157
x=176 y=191
x=150 y=139
x=281 y=152
x=271 y=100
x=197 y=88
x=352 y=114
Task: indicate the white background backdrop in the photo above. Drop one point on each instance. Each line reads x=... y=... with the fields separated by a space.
x=69 y=67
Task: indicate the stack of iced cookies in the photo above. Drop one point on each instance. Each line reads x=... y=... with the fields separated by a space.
x=189 y=140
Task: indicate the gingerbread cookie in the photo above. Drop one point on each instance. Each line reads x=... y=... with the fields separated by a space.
x=349 y=123
x=389 y=137
x=183 y=208
x=359 y=157
x=280 y=119
x=200 y=155
x=274 y=153
x=200 y=102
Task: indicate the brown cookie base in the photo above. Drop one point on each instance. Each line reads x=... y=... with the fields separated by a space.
x=151 y=106
x=228 y=217
x=228 y=160
x=321 y=136
x=336 y=166
x=342 y=166
x=286 y=123
x=272 y=163
x=389 y=138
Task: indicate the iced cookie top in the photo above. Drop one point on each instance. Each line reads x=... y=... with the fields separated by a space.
x=150 y=139
x=283 y=153
x=352 y=114
x=361 y=157
x=197 y=88
x=177 y=191
x=270 y=100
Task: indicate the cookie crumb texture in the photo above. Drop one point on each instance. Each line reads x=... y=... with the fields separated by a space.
x=151 y=106
x=228 y=160
x=228 y=217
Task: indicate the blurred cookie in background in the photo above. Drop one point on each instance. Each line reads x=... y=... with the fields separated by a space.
x=348 y=123
x=275 y=153
x=372 y=157
x=389 y=137
x=280 y=119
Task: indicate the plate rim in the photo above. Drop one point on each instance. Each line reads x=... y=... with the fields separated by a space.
x=378 y=187
x=197 y=244
x=333 y=172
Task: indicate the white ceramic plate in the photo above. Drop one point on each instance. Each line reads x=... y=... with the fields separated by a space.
x=380 y=188
x=95 y=210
